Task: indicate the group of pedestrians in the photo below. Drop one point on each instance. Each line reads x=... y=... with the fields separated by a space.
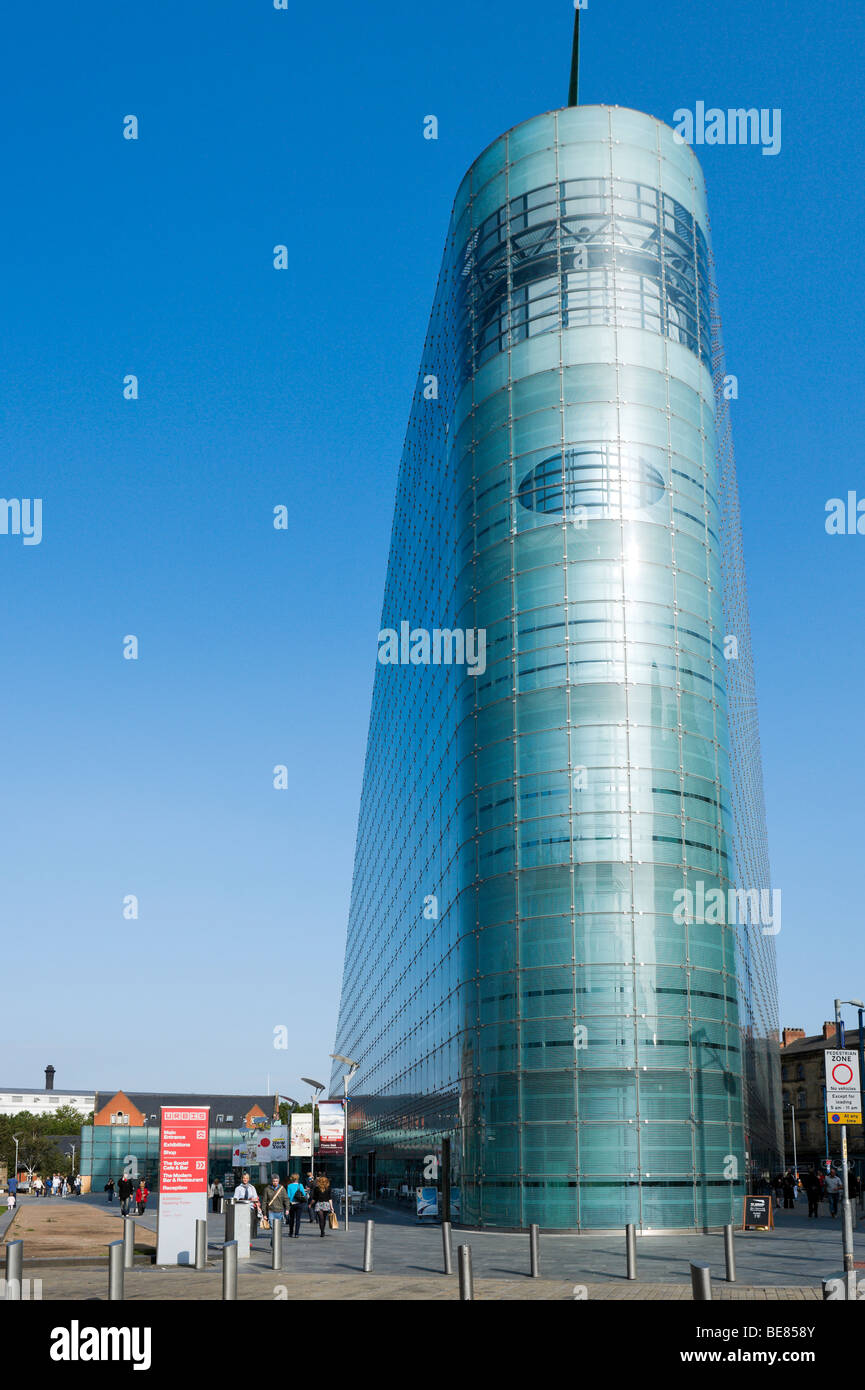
x=130 y=1192
x=818 y=1186
x=56 y=1185
x=287 y=1201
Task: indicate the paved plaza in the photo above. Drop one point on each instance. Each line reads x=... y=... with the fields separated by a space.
x=786 y=1263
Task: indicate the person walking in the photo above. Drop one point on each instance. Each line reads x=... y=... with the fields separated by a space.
x=37 y=1186
x=814 y=1193
x=64 y=1186
x=321 y=1195
x=141 y=1195
x=276 y=1200
x=76 y=1186
x=296 y=1193
x=125 y=1190
x=109 y=1188
x=789 y=1189
x=834 y=1187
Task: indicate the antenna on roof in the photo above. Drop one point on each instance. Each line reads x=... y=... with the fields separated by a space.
x=573 y=89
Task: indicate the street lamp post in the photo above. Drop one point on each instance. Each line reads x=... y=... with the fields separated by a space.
x=317 y=1088
x=15 y=1174
x=353 y=1066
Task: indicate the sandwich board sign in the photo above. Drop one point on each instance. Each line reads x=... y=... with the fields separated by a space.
x=758 y=1214
x=843 y=1097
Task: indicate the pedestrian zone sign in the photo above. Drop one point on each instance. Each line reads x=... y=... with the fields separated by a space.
x=843 y=1097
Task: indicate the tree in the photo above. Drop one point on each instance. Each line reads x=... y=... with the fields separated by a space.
x=39 y=1132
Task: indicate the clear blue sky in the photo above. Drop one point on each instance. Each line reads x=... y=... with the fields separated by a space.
x=260 y=387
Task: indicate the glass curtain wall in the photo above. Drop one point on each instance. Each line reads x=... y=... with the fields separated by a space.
x=529 y=967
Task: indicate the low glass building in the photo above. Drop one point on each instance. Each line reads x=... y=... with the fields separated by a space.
x=528 y=971
x=109 y=1151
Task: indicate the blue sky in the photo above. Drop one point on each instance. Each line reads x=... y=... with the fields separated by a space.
x=258 y=388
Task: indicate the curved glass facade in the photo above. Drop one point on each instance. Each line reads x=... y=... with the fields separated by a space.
x=528 y=970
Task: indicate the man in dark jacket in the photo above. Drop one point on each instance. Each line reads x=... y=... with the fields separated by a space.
x=125 y=1190
x=814 y=1191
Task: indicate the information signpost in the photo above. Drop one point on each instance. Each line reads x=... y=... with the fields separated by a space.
x=843 y=1107
x=843 y=1097
x=183 y=1149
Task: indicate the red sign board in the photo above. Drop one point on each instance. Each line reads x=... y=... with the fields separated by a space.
x=183 y=1141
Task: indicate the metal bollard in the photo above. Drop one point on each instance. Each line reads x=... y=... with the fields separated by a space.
x=367 y=1247
x=631 y=1250
x=128 y=1242
x=446 y=1246
x=201 y=1244
x=115 y=1272
x=535 y=1251
x=229 y=1222
x=229 y=1269
x=464 y=1261
x=729 y=1255
x=276 y=1245
x=701 y=1283
x=14 y=1270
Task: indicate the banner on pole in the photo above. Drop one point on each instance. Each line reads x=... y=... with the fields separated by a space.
x=272 y=1145
x=301 y=1136
x=331 y=1128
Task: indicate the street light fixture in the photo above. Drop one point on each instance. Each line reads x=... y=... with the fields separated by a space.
x=16 y=1137
x=317 y=1088
x=352 y=1068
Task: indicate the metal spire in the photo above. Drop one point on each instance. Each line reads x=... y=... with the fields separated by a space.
x=573 y=90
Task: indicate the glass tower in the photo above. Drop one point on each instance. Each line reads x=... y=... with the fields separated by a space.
x=530 y=971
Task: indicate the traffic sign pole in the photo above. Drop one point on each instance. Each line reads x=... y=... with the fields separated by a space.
x=836 y=1076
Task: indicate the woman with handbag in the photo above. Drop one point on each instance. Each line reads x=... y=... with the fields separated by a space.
x=321 y=1191
x=296 y=1194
